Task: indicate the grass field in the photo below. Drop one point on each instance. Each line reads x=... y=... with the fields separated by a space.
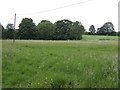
x=89 y=63
x=96 y=37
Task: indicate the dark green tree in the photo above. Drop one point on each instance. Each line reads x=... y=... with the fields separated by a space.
x=77 y=29
x=45 y=30
x=118 y=33
x=8 y=32
x=62 y=29
x=27 y=29
x=92 y=30
x=10 y=26
x=106 y=29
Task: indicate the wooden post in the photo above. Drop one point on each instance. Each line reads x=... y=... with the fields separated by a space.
x=14 y=29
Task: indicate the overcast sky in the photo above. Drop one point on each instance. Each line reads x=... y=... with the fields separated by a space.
x=88 y=12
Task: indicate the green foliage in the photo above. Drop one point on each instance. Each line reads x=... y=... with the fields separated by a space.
x=118 y=33
x=62 y=31
x=66 y=29
x=45 y=30
x=9 y=27
x=92 y=30
x=8 y=33
x=27 y=29
x=106 y=29
x=59 y=81
x=77 y=29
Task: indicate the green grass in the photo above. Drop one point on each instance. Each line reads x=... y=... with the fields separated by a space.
x=60 y=64
x=99 y=37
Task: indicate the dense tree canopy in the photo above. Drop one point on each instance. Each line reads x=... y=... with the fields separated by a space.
x=45 y=30
x=8 y=32
x=106 y=29
x=77 y=29
x=27 y=29
x=9 y=26
x=92 y=30
x=60 y=30
x=66 y=29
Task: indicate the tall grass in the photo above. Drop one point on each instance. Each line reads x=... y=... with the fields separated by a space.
x=64 y=64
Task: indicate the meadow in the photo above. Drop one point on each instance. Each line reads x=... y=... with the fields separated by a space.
x=88 y=63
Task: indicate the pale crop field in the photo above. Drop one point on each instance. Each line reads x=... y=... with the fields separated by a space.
x=60 y=64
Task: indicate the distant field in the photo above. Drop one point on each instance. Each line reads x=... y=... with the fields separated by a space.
x=86 y=63
x=98 y=37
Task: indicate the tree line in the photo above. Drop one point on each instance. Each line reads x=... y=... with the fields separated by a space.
x=46 y=30
x=60 y=30
x=106 y=29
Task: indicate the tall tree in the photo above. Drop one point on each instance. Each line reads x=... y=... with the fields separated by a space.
x=45 y=30
x=106 y=29
x=77 y=29
x=27 y=29
x=92 y=30
x=63 y=28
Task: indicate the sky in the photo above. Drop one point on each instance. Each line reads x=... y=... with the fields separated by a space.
x=88 y=12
